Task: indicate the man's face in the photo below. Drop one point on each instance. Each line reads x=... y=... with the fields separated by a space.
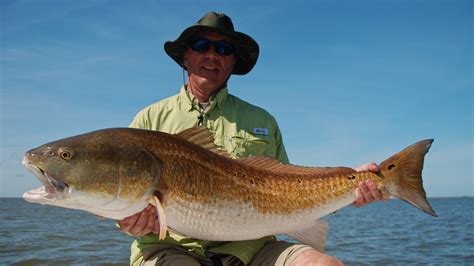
x=209 y=70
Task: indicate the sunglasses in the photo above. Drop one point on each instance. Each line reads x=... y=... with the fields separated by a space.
x=203 y=45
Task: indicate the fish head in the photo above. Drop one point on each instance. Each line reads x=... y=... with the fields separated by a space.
x=101 y=172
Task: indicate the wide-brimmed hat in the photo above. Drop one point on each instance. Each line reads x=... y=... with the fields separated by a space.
x=246 y=48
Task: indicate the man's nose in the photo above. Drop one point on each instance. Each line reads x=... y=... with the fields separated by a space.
x=211 y=53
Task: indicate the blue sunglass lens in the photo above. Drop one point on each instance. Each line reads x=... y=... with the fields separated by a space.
x=221 y=47
x=201 y=45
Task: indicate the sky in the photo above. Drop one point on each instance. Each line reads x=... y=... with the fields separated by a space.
x=349 y=82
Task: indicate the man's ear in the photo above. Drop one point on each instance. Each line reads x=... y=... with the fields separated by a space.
x=185 y=62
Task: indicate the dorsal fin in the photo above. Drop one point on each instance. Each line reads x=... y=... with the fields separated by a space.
x=203 y=137
x=261 y=161
x=269 y=163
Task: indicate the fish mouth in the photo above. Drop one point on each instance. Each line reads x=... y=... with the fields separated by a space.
x=52 y=187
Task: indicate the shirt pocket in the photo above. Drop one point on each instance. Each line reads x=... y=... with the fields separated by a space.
x=246 y=144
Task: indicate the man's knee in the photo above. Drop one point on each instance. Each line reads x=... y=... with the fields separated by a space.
x=313 y=257
x=170 y=257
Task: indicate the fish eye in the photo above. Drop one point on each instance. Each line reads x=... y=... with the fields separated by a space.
x=66 y=155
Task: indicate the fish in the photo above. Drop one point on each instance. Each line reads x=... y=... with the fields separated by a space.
x=200 y=190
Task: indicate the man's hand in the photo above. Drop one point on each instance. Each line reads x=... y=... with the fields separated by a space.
x=368 y=191
x=141 y=223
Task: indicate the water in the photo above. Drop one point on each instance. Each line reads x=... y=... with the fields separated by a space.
x=395 y=233
x=391 y=233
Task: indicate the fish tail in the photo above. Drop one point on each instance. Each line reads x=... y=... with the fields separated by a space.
x=405 y=169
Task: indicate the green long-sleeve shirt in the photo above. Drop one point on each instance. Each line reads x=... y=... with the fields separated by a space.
x=239 y=127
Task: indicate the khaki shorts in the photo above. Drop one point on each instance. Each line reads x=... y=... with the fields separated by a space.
x=273 y=253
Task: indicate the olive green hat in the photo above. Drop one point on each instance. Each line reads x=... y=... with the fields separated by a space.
x=246 y=48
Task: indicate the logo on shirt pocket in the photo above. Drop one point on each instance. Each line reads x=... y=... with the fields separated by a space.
x=250 y=145
x=262 y=131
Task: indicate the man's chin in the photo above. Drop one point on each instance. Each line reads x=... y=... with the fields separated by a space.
x=209 y=83
x=210 y=76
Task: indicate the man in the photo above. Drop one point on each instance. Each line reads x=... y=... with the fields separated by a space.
x=211 y=51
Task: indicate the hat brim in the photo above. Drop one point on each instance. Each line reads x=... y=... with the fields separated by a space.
x=247 y=48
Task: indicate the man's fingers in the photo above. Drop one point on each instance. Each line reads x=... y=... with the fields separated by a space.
x=128 y=222
x=372 y=167
x=150 y=224
x=373 y=190
x=366 y=193
x=140 y=223
x=359 y=201
x=142 y=220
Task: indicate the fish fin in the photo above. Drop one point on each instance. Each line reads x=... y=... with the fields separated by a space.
x=161 y=218
x=203 y=137
x=314 y=236
x=406 y=167
x=277 y=166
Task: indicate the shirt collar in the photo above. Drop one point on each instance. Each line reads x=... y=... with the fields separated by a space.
x=190 y=101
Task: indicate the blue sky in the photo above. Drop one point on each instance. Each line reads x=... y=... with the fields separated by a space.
x=348 y=81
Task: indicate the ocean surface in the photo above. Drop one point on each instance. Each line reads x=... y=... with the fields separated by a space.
x=390 y=233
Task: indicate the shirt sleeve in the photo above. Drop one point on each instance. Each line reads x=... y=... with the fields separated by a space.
x=140 y=121
x=280 y=147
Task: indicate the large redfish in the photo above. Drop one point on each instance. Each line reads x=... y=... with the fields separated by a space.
x=199 y=190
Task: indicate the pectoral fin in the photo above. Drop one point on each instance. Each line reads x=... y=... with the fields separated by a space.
x=314 y=236
x=161 y=217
